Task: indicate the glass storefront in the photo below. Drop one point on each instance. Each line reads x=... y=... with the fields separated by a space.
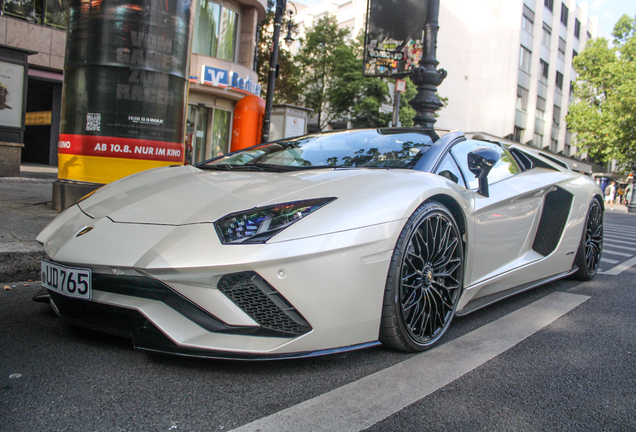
x=207 y=133
x=215 y=30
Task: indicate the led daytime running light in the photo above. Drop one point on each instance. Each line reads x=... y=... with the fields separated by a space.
x=262 y=223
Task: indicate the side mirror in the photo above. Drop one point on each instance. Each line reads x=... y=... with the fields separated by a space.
x=480 y=162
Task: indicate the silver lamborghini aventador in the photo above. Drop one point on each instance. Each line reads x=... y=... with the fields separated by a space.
x=320 y=243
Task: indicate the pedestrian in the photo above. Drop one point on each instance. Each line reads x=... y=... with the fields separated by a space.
x=628 y=193
x=610 y=194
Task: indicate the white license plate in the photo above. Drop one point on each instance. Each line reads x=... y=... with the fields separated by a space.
x=69 y=281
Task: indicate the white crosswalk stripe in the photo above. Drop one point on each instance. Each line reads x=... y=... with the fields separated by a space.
x=618 y=241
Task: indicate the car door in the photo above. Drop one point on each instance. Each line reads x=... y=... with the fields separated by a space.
x=504 y=223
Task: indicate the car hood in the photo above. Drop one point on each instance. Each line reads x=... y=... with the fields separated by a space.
x=188 y=195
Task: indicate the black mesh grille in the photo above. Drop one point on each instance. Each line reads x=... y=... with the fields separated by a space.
x=553 y=219
x=263 y=303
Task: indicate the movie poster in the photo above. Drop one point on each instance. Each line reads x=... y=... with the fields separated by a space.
x=11 y=94
x=394 y=36
x=56 y=13
x=23 y=9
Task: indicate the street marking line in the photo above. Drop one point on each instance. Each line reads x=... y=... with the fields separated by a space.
x=620 y=268
x=613 y=240
x=623 y=247
x=363 y=403
x=611 y=252
x=609 y=261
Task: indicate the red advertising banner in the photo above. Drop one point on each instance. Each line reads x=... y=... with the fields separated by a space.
x=114 y=147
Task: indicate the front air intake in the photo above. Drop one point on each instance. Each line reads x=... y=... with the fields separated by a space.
x=261 y=302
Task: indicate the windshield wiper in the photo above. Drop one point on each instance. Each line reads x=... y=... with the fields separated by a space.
x=233 y=167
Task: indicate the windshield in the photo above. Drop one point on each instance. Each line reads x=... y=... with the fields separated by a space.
x=368 y=148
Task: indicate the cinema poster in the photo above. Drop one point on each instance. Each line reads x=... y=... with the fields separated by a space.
x=125 y=88
x=394 y=38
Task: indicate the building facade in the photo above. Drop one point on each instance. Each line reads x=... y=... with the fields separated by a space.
x=221 y=72
x=509 y=63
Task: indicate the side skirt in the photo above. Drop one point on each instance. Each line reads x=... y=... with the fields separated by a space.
x=482 y=302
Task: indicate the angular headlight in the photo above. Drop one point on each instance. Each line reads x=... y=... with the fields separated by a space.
x=262 y=223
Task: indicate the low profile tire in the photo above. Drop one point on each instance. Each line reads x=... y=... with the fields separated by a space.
x=424 y=282
x=588 y=255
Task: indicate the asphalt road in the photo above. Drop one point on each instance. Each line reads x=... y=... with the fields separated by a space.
x=507 y=367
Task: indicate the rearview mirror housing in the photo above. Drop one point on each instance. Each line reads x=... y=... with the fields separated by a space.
x=480 y=162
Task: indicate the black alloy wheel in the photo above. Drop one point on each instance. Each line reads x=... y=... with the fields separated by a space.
x=424 y=283
x=588 y=256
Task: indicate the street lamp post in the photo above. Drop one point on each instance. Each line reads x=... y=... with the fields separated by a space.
x=426 y=76
x=273 y=66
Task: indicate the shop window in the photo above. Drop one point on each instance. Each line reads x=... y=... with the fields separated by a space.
x=221 y=132
x=53 y=13
x=215 y=31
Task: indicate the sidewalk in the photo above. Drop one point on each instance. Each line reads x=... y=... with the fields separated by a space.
x=25 y=209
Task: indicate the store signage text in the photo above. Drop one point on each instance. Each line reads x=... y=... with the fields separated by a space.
x=224 y=78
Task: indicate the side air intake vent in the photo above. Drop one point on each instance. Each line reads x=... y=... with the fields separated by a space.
x=263 y=303
x=556 y=209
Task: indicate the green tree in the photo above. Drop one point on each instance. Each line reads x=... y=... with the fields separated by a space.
x=288 y=89
x=604 y=114
x=322 y=48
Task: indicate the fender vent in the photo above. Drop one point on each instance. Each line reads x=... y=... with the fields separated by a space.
x=556 y=209
x=263 y=303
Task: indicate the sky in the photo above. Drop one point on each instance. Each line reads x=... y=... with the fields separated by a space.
x=609 y=11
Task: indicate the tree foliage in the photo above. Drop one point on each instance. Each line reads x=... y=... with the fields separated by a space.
x=287 y=89
x=326 y=76
x=604 y=114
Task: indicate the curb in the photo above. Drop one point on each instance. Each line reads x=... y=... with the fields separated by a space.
x=20 y=261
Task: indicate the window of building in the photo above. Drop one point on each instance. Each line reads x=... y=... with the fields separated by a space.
x=574 y=54
x=559 y=80
x=589 y=35
x=518 y=134
x=527 y=22
x=564 y=14
x=522 y=99
x=537 y=141
x=554 y=145
x=549 y=4
x=547 y=35
x=556 y=115
x=577 y=28
x=215 y=31
x=540 y=112
x=525 y=59
x=544 y=69
x=571 y=91
x=561 y=52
